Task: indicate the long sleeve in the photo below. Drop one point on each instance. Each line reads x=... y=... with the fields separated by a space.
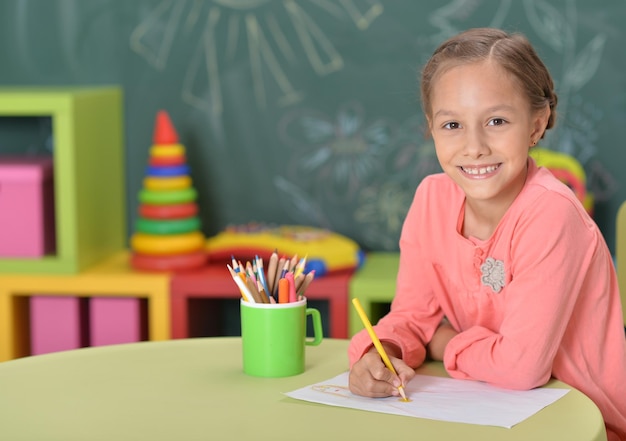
x=552 y=254
x=558 y=313
x=415 y=312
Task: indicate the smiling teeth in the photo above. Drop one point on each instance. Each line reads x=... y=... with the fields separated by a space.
x=480 y=171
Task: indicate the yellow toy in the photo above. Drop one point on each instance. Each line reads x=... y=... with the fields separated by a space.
x=325 y=251
x=568 y=170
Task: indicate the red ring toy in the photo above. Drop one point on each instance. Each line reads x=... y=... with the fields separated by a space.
x=171 y=211
x=167 y=160
x=174 y=262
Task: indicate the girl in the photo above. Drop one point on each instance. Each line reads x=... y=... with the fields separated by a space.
x=503 y=276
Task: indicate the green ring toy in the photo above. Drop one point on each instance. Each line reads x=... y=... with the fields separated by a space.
x=165 y=197
x=174 y=226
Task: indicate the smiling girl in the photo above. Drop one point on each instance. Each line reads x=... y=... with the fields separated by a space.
x=503 y=275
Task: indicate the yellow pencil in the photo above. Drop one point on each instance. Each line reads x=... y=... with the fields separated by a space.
x=300 y=267
x=376 y=341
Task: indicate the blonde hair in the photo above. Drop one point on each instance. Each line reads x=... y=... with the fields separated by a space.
x=513 y=52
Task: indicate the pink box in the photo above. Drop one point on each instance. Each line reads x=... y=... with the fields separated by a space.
x=27 y=225
x=114 y=320
x=57 y=324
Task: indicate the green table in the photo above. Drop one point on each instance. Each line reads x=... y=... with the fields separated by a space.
x=195 y=389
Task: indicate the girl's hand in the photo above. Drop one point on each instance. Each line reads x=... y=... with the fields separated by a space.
x=369 y=377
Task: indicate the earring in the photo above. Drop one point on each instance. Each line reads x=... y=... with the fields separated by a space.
x=533 y=143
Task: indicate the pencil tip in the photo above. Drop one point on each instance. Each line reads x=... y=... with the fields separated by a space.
x=402 y=393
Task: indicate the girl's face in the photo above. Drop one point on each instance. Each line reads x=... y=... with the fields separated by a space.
x=483 y=126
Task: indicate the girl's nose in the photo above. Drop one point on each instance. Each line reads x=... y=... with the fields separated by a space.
x=476 y=144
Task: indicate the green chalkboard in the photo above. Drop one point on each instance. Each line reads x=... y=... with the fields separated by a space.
x=307 y=111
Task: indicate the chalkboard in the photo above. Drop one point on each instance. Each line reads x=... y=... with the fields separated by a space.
x=307 y=111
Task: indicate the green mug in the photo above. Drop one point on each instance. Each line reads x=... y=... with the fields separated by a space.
x=273 y=337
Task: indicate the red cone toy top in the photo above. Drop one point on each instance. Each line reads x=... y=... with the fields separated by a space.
x=164 y=131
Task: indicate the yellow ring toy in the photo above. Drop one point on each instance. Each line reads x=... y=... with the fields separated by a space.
x=167 y=150
x=167 y=183
x=166 y=245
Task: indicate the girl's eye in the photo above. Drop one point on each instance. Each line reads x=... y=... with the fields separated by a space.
x=451 y=125
x=496 y=122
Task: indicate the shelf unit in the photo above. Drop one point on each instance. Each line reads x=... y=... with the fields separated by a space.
x=89 y=179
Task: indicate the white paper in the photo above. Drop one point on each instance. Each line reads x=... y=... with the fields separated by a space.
x=439 y=398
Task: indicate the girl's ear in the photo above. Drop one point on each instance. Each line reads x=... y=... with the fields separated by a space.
x=429 y=126
x=540 y=123
x=429 y=123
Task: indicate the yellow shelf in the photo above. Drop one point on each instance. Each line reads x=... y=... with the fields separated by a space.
x=113 y=277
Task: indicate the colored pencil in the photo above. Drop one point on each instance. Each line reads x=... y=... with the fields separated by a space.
x=283 y=291
x=261 y=273
x=243 y=289
x=271 y=271
x=293 y=297
x=306 y=282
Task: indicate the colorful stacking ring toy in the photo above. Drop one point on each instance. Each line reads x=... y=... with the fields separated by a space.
x=167 y=150
x=173 y=170
x=166 y=245
x=167 y=226
x=174 y=262
x=173 y=183
x=167 y=197
x=174 y=211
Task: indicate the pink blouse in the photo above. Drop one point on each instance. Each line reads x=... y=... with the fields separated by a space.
x=538 y=299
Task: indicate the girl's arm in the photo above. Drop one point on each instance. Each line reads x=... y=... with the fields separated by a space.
x=556 y=254
x=415 y=312
x=437 y=346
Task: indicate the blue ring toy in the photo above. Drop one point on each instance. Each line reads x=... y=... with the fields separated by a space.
x=173 y=170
